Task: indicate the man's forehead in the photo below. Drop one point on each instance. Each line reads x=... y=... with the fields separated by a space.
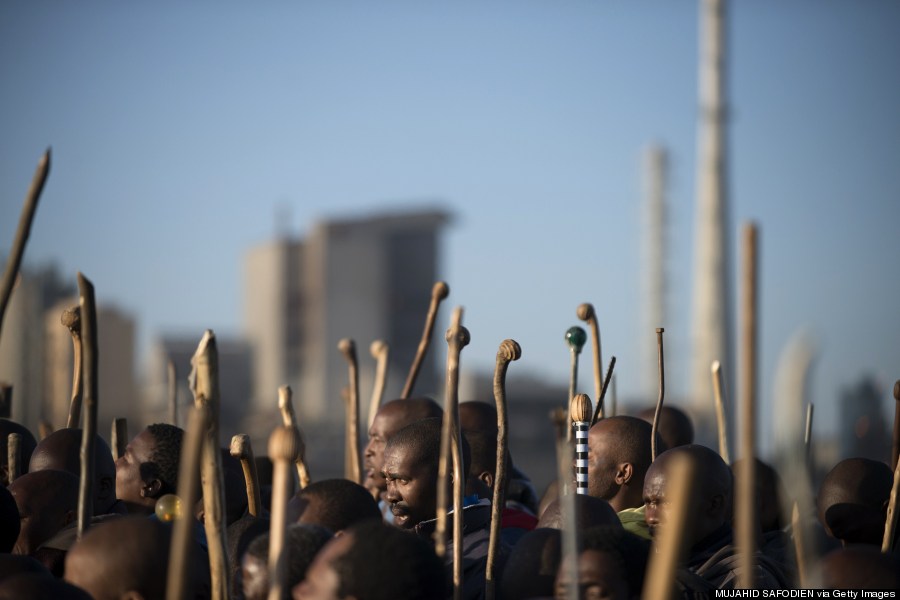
x=143 y=444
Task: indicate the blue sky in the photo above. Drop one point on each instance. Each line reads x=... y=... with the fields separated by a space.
x=180 y=132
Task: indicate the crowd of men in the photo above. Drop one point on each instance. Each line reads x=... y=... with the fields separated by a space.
x=375 y=539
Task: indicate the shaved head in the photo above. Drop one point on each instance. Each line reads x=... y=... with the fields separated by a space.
x=713 y=485
x=392 y=417
x=619 y=454
x=61 y=451
x=589 y=512
x=853 y=500
x=47 y=501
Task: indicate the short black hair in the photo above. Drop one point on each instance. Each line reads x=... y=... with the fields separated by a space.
x=387 y=563
x=341 y=503
x=628 y=550
x=166 y=455
x=424 y=439
x=302 y=543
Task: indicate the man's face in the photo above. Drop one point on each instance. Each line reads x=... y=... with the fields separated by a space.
x=599 y=578
x=129 y=482
x=601 y=466
x=322 y=581
x=656 y=508
x=386 y=423
x=411 y=487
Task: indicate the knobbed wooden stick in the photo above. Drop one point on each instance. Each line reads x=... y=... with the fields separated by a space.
x=580 y=414
x=352 y=468
x=180 y=555
x=586 y=313
x=13 y=455
x=284 y=447
x=71 y=320
x=509 y=351
x=895 y=446
x=381 y=352
x=560 y=419
x=669 y=542
x=22 y=232
x=598 y=411
x=745 y=509
x=91 y=382
x=457 y=338
x=205 y=388
x=289 y=419
x=119 y=437
x=718 y=394
x=242 y=450
x=575 y=338
x=439 y=291
x=890 y=524
x=172 y=375
x=662 y=392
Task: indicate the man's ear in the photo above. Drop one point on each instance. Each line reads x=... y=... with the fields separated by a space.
x=624 y=473
x=487 y=478
x=107 y=487
x=151 y=488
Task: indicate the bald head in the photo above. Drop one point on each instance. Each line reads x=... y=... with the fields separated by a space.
x=121 y=556
x=61 y=451
x=711 y=502
x=619 y=454
x=47 y=501
x=392 y=417
x=589 y=512
x=853 y=500
x=675 y=426
x=26 y=445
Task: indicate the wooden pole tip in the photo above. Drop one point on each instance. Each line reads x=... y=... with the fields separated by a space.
x=347 y=347
x=509 y=350
x=284 y=444
x=284 y=396
x=580 y=408
x=660 y=329
x=716 y=367
x=377 y=348
x=239 y=444
x=440 y=290
x=462 y=336
x=71 y=319
x=585 y=311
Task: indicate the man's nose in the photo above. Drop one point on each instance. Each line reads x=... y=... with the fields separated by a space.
x=391 y=494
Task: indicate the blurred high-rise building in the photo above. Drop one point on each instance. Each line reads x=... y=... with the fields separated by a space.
x=363 y=278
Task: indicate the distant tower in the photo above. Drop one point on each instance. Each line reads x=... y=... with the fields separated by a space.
x=654 y=249
x=712 y=299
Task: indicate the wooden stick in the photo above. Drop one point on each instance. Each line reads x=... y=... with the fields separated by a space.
x=180 y=554
x=895 y=446
x=242 y=450
x=586 y=313
x=6 y=398
x=205 y=380
x=718 y=394
x=71 y=320
x=91 y=381
x=352 y=467
x=509 y=351
x=284 y=447
x=22 y=232
x=598 y=411
x=745 y=505
x=669 y=543
x=289 y=419
x=580 y=414
x=890 y=524
x=613 y=398
x=119 y=437
x=172 y=375
x=13 y=456
x=662 y=392
x=44 y=428
x=381 y=352
x=799 y=547
x=457 y=338
x=439 y=291
x=807 y=433
x=561 y=422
